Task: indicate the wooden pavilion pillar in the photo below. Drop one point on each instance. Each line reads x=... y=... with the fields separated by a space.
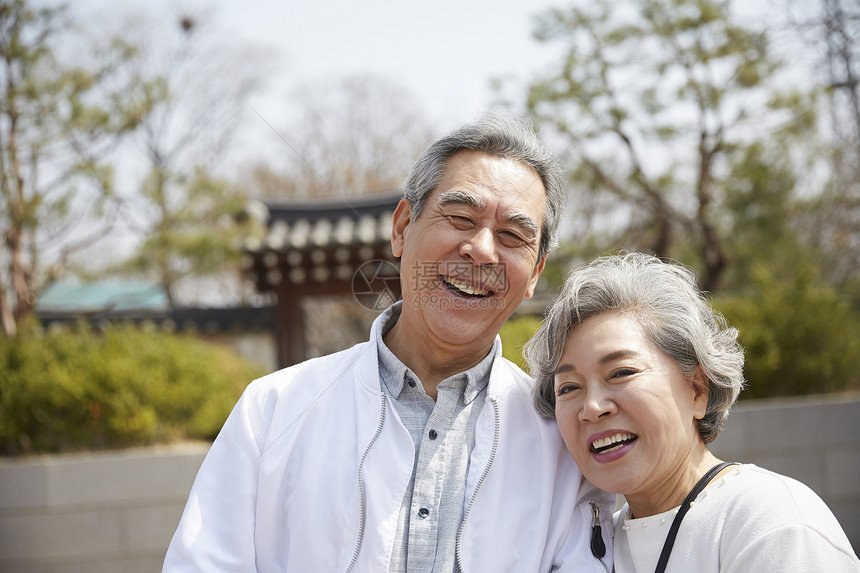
x=291 y=344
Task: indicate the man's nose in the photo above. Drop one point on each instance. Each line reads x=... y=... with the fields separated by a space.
x=481 y=247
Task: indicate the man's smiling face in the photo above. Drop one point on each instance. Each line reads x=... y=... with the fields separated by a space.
x=471 y=256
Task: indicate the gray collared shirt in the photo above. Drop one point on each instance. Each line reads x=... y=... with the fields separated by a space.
x=443 y=433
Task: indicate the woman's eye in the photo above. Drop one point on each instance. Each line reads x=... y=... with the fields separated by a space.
x=566 y=389
x=623 y=372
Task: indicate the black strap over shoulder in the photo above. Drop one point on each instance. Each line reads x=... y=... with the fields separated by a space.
x=682 y=511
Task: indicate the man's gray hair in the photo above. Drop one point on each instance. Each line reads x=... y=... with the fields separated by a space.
x=502 y=135
x=674 y=315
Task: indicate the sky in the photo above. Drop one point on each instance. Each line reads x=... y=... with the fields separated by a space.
x=445 y=52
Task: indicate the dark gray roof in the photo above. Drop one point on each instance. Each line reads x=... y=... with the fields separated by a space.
x=207 y=320
x=302 y=225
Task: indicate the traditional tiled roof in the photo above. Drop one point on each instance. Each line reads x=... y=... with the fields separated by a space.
x=303 y=226
x=117 y=295
x=319 y=242
x=106 y=302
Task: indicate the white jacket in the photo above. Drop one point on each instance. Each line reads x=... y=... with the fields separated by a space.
x=310 y=469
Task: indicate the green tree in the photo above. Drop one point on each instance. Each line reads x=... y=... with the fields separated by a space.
x=761 y=214
x=657 y=100
x=188 y=210
x=800 y=335
x=58 y=125
x=829 y=31
x=194 y=236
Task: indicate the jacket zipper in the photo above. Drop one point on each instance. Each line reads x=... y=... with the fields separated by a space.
x=361 y=493
x=480 y=481
x=598 y=548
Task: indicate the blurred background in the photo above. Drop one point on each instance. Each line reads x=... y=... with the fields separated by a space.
x=190 y=191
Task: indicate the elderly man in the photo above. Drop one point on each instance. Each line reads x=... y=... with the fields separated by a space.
x=418 y=450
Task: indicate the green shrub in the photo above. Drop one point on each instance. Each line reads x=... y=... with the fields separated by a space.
x=799 y=335
x=515 y=333
x=125 y=387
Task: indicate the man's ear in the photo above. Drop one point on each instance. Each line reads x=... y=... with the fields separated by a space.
x=400 y=220
x=535 y=275
x=700 y=393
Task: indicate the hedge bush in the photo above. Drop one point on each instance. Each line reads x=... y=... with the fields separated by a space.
x=515 y=333
x=124 y=387
x=799 y=335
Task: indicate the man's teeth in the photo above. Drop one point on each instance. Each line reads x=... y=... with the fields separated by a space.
x=466 y=288
x=606 y=444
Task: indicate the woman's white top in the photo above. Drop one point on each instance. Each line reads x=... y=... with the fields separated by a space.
x=751 y=520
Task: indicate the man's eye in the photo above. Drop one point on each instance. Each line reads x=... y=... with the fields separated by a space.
x=460 y=222
x=510 y=239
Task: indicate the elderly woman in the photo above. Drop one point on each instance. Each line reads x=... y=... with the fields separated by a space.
x=640 y=374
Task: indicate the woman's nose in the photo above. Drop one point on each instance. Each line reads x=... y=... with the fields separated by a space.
x=597 y=405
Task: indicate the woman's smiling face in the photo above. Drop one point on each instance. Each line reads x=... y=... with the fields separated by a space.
x=626 y=412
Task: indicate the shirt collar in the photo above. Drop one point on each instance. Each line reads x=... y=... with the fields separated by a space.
x=394 y=373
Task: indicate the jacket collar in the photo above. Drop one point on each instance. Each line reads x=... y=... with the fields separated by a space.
x=369 y=373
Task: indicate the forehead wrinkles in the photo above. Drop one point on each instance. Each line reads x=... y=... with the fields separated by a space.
x=488 y=171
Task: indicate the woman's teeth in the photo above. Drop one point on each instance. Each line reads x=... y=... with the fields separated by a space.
x=611 y=443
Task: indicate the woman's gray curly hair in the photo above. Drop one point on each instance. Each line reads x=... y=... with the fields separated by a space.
x=674 y=315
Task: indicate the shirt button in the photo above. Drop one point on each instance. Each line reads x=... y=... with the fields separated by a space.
x=433 y=435
x=411 y=383
x=423 y=512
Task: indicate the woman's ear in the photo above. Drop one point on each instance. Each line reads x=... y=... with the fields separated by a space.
x=700 y=393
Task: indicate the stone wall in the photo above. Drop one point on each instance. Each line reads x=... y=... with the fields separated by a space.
x=95 y=513
x=116 y=511
x=813 y=439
